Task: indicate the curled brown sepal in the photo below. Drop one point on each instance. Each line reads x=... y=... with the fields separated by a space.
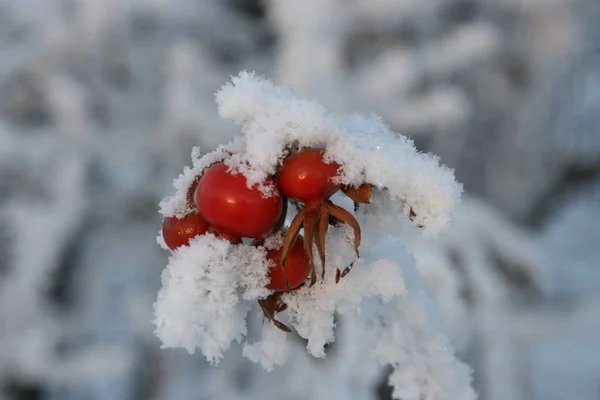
x=311 y=218
x=359 y=194
x=347 y=269
x=292 y=234
x=344 y=216
x=340 y=274
x=316 y=218
x=323 y=225
x=272 y=305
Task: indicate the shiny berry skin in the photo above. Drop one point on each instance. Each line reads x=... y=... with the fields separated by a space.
x=306 y=177
x=296 y=266
x=227 y=204
x=177 y=232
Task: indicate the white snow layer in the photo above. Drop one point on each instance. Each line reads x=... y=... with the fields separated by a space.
x=209 y=286
x=271 y=117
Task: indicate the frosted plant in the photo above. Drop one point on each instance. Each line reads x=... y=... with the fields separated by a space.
x=210 y=283
x=484 y=261
x=104 y=99
x=479 y=274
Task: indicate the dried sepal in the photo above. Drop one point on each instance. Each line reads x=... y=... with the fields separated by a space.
x=320 y=236
x=291 y=235
x=282 y=307
x=288 y=285
x=347 y=270
x=310 y=221
x=340 y=274
x=343 y=215
x=272 y=305
x=315 y=218
x=227 y=151
x=281 y=326
x=189 y=196
x=359 y=194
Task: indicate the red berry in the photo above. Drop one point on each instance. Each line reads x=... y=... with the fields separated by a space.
x=178 y=232
x=226 y=203
x=296 y=266
x=306 y=177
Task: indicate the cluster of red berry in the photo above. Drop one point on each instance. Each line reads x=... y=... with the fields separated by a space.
x=225 y=206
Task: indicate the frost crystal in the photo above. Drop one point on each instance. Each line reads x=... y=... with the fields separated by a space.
x=198 y=305
x=209 y=287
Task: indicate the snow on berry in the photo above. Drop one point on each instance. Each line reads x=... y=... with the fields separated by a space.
x=210 y=286
x=271 y=117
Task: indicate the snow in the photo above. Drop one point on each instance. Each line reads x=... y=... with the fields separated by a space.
x=271 y=351
x=101 y=104
x=208 y=286
x=271 y=117
x=198 y=305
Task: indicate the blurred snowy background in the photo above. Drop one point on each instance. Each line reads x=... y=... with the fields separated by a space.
x=101 y=101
